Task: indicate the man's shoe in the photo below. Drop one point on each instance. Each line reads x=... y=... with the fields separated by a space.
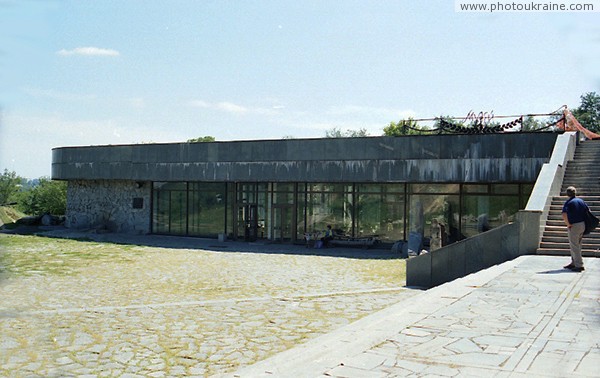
x=570 y=266
x=576 y=269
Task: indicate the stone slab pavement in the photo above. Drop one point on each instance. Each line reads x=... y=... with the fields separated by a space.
x=526 y=317
x=164 y=306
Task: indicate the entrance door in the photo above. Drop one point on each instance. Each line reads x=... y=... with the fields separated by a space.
x=282 y=223
x=247 y=222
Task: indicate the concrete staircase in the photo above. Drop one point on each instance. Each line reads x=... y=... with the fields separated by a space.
x=583 y=172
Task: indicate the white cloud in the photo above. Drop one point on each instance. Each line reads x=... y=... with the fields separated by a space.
x=88 y=51
x=199 y=104
x=230 y=107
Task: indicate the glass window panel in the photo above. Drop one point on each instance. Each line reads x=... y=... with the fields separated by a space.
x=399 y=197
x=433 y=221
x=381 y=215
x=475 y=188
x=434 y=188
x=526 y=190
x=370 y=188
x=482 y=213
x=247 y=193
x=264 y=216
x=380 y=188
x=230 y=209
x=300 y=216
x=394 y=188
x=329 y=188
x=174 y=186
x=283 y=187
x=160 y=212
x=178 y=212
x=207 y=210
x=503 y=210
x=333 y=209
x=283 y=198
x=194 y=210
x=475 y=215
x=505 y=189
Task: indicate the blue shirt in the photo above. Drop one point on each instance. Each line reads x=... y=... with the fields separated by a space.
x=575 y=209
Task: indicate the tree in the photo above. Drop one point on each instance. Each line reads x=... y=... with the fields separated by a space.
x=588 y=112
x=404 y=127
x=203 y=139
x=531 y=124
x=9 y=186
x=338 y=133
x=47 y=196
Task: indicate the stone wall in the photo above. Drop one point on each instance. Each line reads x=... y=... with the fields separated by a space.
x=115 y=205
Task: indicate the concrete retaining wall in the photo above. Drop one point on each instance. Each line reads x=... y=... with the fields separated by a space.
x=464 y=257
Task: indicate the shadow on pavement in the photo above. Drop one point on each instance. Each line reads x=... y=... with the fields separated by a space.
x=556 y=271
x=184 y=242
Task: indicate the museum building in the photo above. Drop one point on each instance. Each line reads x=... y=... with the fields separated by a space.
x=387 y=188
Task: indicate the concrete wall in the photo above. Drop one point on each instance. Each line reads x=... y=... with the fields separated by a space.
x=510 y=157
x=108 y=205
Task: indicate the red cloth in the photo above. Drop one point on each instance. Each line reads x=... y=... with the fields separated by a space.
x=572 y=124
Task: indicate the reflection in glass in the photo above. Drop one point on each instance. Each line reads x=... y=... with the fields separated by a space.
x=381 y=214
x=206 y=209
x=482 y=213
x=330 y=208
x=433 y=217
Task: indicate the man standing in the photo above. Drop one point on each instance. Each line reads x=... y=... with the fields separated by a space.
x=573 y=213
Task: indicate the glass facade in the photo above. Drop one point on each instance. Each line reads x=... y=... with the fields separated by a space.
x=427 y=215
x=195 y=209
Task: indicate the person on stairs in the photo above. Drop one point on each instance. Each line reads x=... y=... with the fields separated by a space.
x=573 y=214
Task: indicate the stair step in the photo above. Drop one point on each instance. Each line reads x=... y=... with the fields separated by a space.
x=565 y=246
x=561 y=228
x=588 y=199
x=587 y=179
x=563 y=237
x=547 y=240
x=590 y=166
x=561 y=252
x=557 y=215
x=558 y=205
x=583 y=172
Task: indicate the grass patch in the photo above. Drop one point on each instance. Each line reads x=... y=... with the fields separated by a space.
x=384 y=271
x=33 y=255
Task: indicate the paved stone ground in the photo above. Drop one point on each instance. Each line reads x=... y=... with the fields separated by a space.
x=524 y=318
x=163 y=309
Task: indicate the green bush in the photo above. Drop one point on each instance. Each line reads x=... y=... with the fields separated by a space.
x=46 y=197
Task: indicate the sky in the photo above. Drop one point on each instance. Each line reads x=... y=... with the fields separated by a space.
x=77 y=73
